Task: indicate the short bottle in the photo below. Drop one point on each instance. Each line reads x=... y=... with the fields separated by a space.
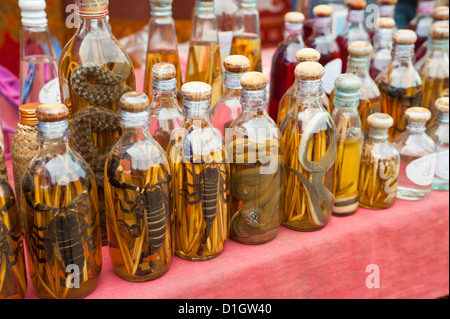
x=229 y=106
x=349 y=142
x=138 y=192
x=422 y=21
x=253 y=145
x=439 y=133
x=418 y=156
x=380 y=165
x=382 y=46
x=61 y=214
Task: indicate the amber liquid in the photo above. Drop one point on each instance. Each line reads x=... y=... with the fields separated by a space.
x=204 y=65
x=433 y=89
x=248 y=45
x=366 y=108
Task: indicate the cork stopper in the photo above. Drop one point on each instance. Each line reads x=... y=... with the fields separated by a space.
x=322 y=11
x=386 y=23
x=196 y=91
x=27 y=114
x=356 y=4
x=254 y=81
x=52 y=113
x=309 y=71
x=294 y=17
x=439 y=31
x=442 y=104
x=440 y=13
x=380 y=121
x=360 y=49
x=237 y=64
x=387 y=2
x=164 y=71
x=347 y=83
x=307 y=55
x=134 y=102
x=418 y=114
x=405 y=37
x=92 y=7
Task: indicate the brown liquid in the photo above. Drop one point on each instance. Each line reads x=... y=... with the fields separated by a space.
x=433 y=89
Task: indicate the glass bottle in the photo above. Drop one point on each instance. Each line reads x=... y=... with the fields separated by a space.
x=303 y=55
x=202 y=175
x=309 y=148
x=439 y=133
x=386 y=9
x=228 y=107
x=322 y=40
x=418 y=156
x=165 y=112
x=247 y=34
x=380 y=165
x=353 y=29
x=422 y=22
x=162 y=42
x=94 y=72
x=382 y=46
x=400 y=84
x=60 y=206
x=38 y=62
x=349 y=141
x=253 y=145
x=138 y=192
x=225 y=10
x=434 y=69
x=204 y=62
x=284 y=60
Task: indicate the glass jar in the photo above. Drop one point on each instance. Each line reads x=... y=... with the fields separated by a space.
x=382 y=46
x=60 y=207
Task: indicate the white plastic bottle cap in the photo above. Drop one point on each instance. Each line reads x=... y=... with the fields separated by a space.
x=33 y=13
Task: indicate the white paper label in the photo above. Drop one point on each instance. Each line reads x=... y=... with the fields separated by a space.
x=442 y=164
x=50 y=92
x=421 y=171
x=332 y=70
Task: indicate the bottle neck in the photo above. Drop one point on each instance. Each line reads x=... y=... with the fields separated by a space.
x=383 y=39
x=346 y=101
x=355 y=17
x=387 y=11
x=358 y=64
x=233 y=81
x=164 y=89
x=97 y=24
x=416 y=127
x=164 y=11
x=439 y=45
x=36 y=41
x=309 y=89
x=197 y=110
x=204 y=23
x=135 y=126
x=379 y=134
x=425 y=8
x=53 y=133
x=443 y=117
x=292 y=30
x=254 y=100
x=403 y=52
x=323 y=26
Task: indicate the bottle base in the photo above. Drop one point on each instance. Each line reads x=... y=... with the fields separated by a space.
x=412 y=194
x=198 y=258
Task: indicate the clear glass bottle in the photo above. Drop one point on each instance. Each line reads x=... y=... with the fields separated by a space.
x=353 y=29
x=434 y=69
x=439 y=133
x=386 y=9
x=138 y=192
x=162 y=42
x=380 y=165
x=322 y=40
x=254 y=148
x=284 y=60
x=202 y=175
x=418 y=156
x=229 y=106
x=382 y=46
x=400 y=84
x=225 y=10
x=94 y=72
x=349 y=142
x=204 y=61
x=61 y=213
x=309 y=148
x=422 y=22
x=165 y=112
x=38 y=62
x=247 y=34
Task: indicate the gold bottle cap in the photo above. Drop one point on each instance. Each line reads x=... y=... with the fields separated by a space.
x=322 y=11
x=254 y=81
x=360 y=48
x=380 y=121
x=92 y=8
x=418 y=114
x=439 y=31
x=134 y=102
x=237 y=64
x=164 y=71
x=27 y=114
x=52 y=113
x=356 y=4
x=309 y=71
x=442 y=104
x=307 y=55
x=387 y=2
x=294 y=17
x=405 y=37
x=440 y=13
x=196 y=91
x=386 y=23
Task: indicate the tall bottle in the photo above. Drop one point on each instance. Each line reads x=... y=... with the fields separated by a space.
x=60 y=205
x=165 y=113
x=380 y=165
x=254 y=148
x=400 y=83
x=284 y=60
x=225 y=10
x=382 y=46
x=434 y=69
x=422 y=22
x=353 y=29
x=247 y=34
x=229 y=106
x=439 y=133
x=138 y=192
x=94 y=72
x=202 y=175
x=322 y=40
x=162 y=42
x=309 y=148
x=38 y=61
x=349 y=142
x=204 y=61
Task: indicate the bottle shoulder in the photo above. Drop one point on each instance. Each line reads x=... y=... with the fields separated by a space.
x=414 y=144
x=380 y=150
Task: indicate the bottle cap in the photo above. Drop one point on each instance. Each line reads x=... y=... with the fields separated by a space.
x=236 y=64
x=27 y=114
x=387 y=2
x=405 y=37
x=439 y=31
x=134 y=102
x=356 y=4
x=309 y=71
x=322 y=11
x=196 y=91
x=161 y=7
x=52 y=113
x=440 y=13
x=347 y=87
x=33 y=13
x=164 y=71
x=307 y=55
x=385 y=23
x=380 y=121
x=418 y=114
x=254 y=81
x=92 y=8
x=360 y=49
x=442 y=104
x=294 y=17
